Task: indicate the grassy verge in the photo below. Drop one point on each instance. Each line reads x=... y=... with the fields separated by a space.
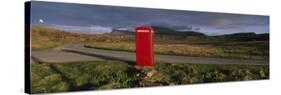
x=240 y=50
x=96 y=75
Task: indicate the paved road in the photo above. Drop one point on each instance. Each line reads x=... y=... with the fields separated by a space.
x=70 y=53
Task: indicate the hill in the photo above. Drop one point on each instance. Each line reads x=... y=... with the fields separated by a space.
x=159 y=30
x=45 y=37
x=168 y=31
x=168 y=35
x=250 y=36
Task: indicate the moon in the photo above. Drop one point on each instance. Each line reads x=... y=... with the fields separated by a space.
x=41 y=21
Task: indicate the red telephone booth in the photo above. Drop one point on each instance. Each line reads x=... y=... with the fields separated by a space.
x=144 y=46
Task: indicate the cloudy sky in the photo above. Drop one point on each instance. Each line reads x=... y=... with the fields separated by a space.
x=97 y=18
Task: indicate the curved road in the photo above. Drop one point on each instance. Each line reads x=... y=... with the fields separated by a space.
x=70 y=53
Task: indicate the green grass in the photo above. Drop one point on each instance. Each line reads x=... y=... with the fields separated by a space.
x=47 y=38
x=98 y=75
x=239 y=50
x=43 y=38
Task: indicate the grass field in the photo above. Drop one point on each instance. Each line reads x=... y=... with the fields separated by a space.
x=97 y=75
x=47 y=38
x=240 y=50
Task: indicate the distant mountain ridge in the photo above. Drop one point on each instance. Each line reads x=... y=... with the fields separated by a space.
x=165 y=33
x=162 y=34
x=248 y=36
x=168 y=31
x=159 y=31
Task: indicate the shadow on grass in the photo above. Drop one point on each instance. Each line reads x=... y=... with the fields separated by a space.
x=72 y=86
x=130 y=72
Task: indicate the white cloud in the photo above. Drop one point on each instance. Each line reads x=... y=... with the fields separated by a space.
x=41 y=21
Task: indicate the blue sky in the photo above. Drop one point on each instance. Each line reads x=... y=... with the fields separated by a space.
x=101 y=19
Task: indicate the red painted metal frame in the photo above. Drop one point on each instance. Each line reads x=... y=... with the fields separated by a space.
x=144 y=46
